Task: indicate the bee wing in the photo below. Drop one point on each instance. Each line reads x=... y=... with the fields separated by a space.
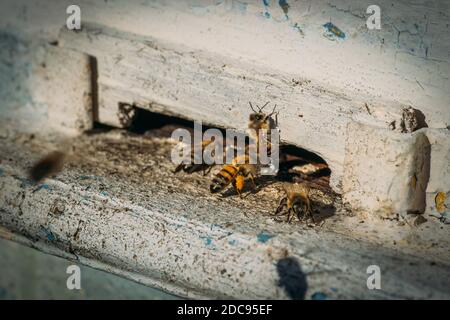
x=296 y=188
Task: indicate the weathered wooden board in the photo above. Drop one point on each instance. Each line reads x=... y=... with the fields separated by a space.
x=118 y=207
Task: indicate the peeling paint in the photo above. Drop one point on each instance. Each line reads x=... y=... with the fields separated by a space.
x=285 y=6
x=48 y=234
x=43 y=186
x=104 y=193
x=239 y=6
x=266 y=8
x=207 y=240
x=263 y=237
x=24 y=182
x=333 y=31
x=319 y=296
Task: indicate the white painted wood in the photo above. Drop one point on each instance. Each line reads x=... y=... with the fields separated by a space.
x=407 y=61
x=61 y=82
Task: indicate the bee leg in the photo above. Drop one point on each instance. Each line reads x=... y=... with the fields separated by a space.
x=207 y=171
x=178 y=168
x=252 y=179
x=289 y=216
x=311 y=216
x=190 y=169
x=281 y=207
x=299 y=215
x=309 y=211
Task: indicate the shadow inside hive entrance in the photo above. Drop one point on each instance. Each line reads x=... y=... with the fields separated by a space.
x=297 y=165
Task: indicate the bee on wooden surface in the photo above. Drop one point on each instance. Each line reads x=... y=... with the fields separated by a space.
x=196 y=164
x=296 y=202
x=259 y=120
x=235 y=174
x=47 y=166
x=260 y=125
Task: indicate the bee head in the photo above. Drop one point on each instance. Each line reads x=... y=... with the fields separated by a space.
x=299 y=205
x=258 y=116
x=214 y=188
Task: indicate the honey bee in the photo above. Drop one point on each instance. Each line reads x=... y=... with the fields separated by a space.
x=296 y=202
x=234 y=173
x=193 y=166
x=240 y=169
x=260 y=125
x=259 y=120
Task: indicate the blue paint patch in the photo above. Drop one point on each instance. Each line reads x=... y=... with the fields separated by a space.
x=319 y=296
x=334 y=289
x=104 y=193
x=48 y=234
x=333 y=31
x=266 y=8
x=24 y=182
x=263 y=237
x=43 y=186
x=239 y=6
x=285 y=6
x=1 y=172
x=207 y=240
x=232 y=242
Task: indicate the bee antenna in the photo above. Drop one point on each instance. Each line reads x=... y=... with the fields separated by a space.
x=260 y=109
x=273 y=111
x=251 y=107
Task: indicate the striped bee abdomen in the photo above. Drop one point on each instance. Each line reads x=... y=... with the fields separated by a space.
x=223 y=178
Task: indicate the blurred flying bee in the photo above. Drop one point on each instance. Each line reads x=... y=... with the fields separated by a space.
x=235 y=174
x=47 y=166
x=196 y=164
x=296 y=202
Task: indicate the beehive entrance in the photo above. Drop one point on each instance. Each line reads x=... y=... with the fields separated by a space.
x=297 y=165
